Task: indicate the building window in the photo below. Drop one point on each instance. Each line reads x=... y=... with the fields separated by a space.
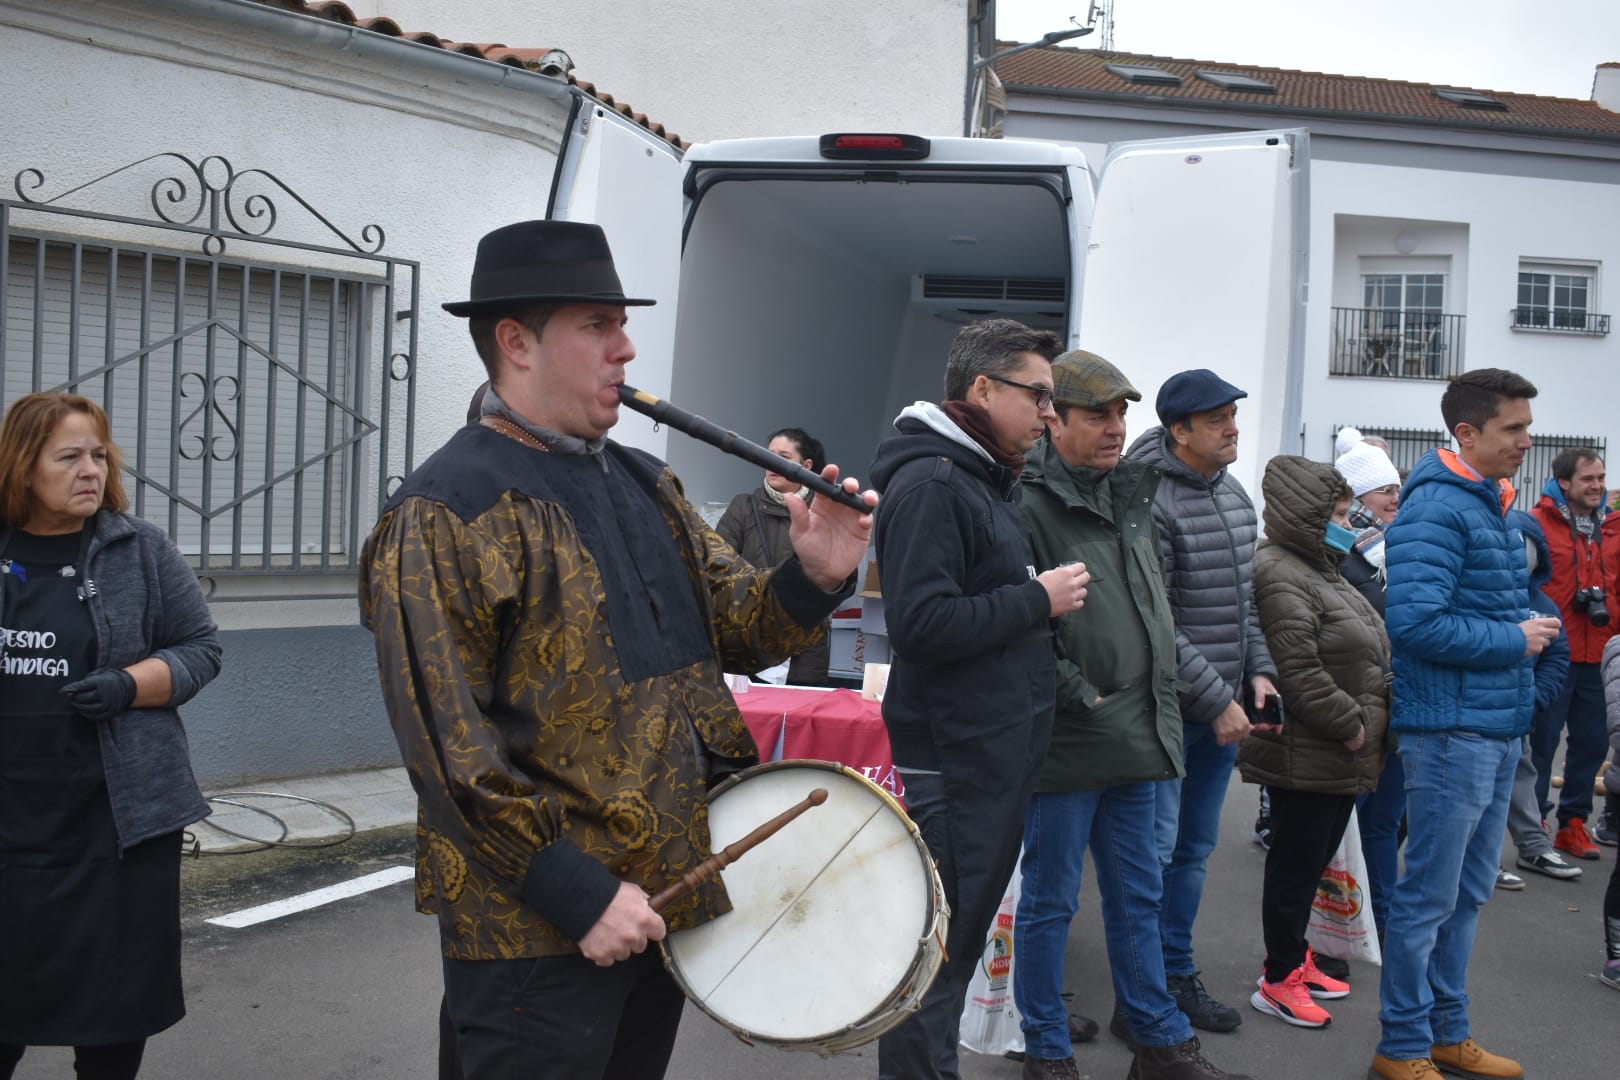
x=1555 y=297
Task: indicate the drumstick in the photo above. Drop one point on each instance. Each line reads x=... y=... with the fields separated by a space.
x=723 y=858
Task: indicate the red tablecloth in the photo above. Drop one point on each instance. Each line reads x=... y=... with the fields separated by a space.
x=830 y=725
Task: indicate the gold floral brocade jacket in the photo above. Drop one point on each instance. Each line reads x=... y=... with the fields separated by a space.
x=546 y=660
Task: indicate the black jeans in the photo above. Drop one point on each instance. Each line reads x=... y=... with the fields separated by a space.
x=1306 y=827
x=561 y=1018
x=116 y=1061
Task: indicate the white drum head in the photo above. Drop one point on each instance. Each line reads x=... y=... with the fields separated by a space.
x=827 y=913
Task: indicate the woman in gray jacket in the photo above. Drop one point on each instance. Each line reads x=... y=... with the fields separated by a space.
x=1611 y=782
x=1332 y=658
x=103 y=633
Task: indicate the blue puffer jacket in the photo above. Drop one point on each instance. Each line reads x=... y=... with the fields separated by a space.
x=1552 y=664
x=1458 y=589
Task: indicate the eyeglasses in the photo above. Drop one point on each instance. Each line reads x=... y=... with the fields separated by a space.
x=1043 y=394
x=1391 y=491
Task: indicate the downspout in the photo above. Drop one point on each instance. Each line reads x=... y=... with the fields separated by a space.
x=987 y=9
x=313 y=32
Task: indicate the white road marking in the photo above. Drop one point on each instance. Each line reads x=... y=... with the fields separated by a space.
x=304 y=901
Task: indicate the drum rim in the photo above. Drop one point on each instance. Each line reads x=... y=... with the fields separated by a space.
x=926 y=962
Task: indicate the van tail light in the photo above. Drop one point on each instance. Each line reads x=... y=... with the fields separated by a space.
x=859 y=146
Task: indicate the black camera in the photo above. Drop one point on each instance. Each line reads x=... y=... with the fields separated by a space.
x=1592 y=603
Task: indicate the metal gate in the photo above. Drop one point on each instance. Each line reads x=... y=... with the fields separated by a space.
x=257 y=362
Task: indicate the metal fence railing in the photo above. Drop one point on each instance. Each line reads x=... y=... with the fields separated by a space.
x=1395 y=344
x=1407 y=445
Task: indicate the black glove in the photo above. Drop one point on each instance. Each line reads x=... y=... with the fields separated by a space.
x=103 y=694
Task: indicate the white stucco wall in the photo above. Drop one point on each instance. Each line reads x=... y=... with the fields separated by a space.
x=725 y=69
x=433 y=160
x=1484 y=224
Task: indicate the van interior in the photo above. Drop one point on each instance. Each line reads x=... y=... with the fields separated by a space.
x=827 y=299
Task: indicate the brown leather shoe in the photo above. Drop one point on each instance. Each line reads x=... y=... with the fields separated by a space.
x=1384 y=1068
x=1183 y=1062
x=1471 y=1060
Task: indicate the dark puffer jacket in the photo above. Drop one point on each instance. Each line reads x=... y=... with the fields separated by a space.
x=757 y=526
x=1207 y=530
x=1333 y=657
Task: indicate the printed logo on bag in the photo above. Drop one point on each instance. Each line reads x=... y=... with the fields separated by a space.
x=1338 y=895
x=998 y=957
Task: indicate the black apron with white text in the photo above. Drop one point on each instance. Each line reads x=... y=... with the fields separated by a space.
x=89 y=939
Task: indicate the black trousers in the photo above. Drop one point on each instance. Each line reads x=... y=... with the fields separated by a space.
x=1611 y=896
x=116 y=1061
x=559 y=1018
x=1306 y=827
x=975 y=841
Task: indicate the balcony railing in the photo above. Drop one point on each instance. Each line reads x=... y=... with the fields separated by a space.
x=1562 y=322
x=1380 y=343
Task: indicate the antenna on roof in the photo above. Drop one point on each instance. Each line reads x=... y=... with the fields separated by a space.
x=1101 y=16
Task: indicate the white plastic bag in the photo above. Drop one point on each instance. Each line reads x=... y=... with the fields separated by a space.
x=990 y=1020
x=1341 y=915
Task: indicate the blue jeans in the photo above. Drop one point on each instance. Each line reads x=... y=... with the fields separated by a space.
x=1457 y=791
x=1579 y=709
x=1194 y=804
x=1378 y=815
x=1117 y=823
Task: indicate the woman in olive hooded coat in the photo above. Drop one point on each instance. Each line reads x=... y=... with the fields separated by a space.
x=1333 y=664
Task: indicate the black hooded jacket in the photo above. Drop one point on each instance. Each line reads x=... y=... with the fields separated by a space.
x=973 y=676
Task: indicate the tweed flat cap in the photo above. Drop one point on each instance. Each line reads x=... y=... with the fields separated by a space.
x=1087 y=380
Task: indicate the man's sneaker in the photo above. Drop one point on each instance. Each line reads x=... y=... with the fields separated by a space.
x=1384 y=1068
x=1331 y=965
x=1604 y=831
x=1051 y=1069
x=1202 y=1010
x=1572 y=839
x=1610 y=975
x=1509 y=881
x=1183 y=1062
x=1262 y=831
x=1550 y=863
x=1320 y=983
x=1290 y=1001
x=1472 y=1060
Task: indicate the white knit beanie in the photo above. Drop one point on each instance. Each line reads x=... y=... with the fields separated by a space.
x=1365 y=467
x=1345 y=439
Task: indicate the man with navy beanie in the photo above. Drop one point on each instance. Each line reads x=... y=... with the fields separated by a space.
x=1207 y=530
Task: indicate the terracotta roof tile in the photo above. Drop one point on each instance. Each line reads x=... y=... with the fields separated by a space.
x=1085 y=72
x=530 y=59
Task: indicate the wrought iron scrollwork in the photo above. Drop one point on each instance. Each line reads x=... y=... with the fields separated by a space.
x=212 y=186
x=223 y=387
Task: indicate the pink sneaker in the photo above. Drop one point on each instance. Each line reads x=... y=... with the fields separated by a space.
x=1290 y=1001
x=1321 y=985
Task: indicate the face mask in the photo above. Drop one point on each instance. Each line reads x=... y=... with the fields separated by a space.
x=1339 y=538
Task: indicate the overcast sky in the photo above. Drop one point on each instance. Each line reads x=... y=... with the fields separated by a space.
x=1548 y=47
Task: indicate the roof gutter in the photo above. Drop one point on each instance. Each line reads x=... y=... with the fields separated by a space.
x=1295 y=111
x=336 y=37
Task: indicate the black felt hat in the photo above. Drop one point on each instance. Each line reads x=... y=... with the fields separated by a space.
x=536 y=262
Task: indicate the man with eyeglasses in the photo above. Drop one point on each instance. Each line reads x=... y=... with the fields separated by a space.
x=974 y=676
x=1207 y=530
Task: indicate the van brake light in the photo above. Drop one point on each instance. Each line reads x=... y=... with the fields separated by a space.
x=855 y=146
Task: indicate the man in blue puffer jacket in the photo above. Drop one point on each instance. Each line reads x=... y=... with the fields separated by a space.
x=1464 y=654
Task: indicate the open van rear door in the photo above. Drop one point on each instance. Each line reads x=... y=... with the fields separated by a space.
x=626 y=179
x=1197 y=259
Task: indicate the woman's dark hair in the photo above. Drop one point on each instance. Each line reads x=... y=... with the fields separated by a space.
x=806 y=444
x=28 y=426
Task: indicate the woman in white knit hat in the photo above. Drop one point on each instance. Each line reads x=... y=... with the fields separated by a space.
x=1376 y=484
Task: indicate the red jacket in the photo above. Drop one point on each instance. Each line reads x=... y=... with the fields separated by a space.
x=1579 y=563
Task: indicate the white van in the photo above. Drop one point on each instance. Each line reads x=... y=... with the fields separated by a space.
x=817 y=281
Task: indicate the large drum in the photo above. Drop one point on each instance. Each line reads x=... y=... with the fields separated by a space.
x=838 y=927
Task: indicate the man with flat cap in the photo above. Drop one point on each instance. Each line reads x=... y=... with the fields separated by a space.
x=552 y=621
x=1207 y=530
x=1115 y=736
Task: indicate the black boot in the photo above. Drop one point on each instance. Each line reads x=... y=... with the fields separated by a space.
x=1184 y=1062
x=1202 y=1010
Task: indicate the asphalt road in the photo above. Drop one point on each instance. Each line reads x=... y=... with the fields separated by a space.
x=350 y=991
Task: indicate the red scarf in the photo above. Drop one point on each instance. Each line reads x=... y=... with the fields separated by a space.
x=974 y=420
